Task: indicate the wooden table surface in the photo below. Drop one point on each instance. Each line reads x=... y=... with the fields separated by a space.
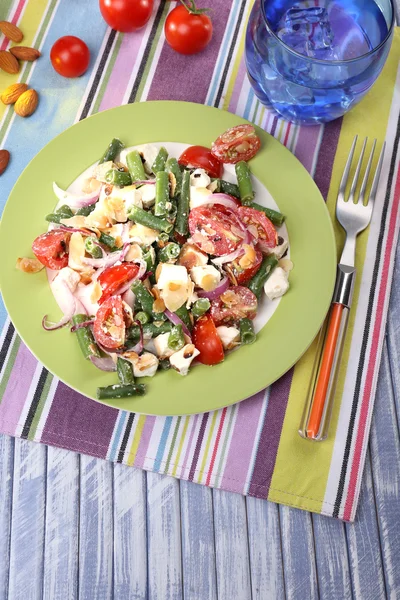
x=78 y=527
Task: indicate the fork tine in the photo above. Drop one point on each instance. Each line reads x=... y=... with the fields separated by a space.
x=366 y=176
x=343 y=183
x=357 y=173
x=378 y=172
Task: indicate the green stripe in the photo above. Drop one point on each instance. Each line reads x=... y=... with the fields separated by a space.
x=39 y=410
x=9 y=366
x=29 y=66
x=108 y=72
x=5 y=8
x=226 y=437
x=171 y=448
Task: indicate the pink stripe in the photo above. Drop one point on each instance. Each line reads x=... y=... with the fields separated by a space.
x=380 y=312
x=122 y=70
x=144 y=442
x=240 y=448
x=17 y=390
x=14 y=20
x=215 y=450
x=306 y=145
x=187 y=453
x=238 y=86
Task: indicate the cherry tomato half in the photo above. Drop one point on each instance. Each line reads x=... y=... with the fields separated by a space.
x=187 y=32
x=261 y=226
x=238 y=143
x=207 y=341
x=126 y=15
x=213 y=230
x=236 y=303
x=70 y=56
x=241 y=270
x=200 y=157
x=109 y=324
x=112 y=278
x=51 y=249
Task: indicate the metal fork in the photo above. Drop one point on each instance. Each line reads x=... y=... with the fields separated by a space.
x=354 y=215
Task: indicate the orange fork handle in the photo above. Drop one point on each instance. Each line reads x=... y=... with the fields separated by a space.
x=325 y=370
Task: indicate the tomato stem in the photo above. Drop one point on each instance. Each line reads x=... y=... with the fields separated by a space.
x=191 y=7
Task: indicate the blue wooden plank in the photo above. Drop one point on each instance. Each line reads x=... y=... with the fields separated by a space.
x=266 y=563
x=298 y=554
x=130 y=533
x=96 y=529
x=6 y=487
x=198 y=551
x=385 y=459
x=60 y=579
x=231 y=546
x=27 y=523
x=332 y=559
x=163 y=538
x=363 y=545
x=393 y=334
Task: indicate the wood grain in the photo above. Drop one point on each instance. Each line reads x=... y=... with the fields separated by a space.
x=6 y=490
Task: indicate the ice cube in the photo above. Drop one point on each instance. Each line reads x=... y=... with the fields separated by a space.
x=306 y=30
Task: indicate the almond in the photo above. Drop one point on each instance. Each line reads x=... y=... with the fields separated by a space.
x=27 y=103
x=29 y=265
x=4 y=160
x=25 y=53
x=8 y=62
x=13 y=92
x=11 y=31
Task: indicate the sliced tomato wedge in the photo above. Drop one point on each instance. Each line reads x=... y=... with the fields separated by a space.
x=236 y=303
x=260 y=226
x=109 y=324
x=112 y=278
x=207 y=341
x=201 y=157
x=241 y=270
x=214 y=230
x=51 y=249
x=238 y=143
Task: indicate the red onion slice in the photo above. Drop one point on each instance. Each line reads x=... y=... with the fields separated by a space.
x=129 y=297
x=221 y=260
x=177 y=321
x=104 y=363
x=144 y=182
x=76 y=201
x=222 y=200
x=140 y=345
x=80 y=325
x=86 y=232
x=220 y=289
x=53 y=326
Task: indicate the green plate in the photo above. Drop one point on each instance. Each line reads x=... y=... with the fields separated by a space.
x=280 y=343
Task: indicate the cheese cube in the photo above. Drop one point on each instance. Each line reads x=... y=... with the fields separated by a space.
x=143 y=235
x=161 y=346
x=191 y=256
x=207 y=277
x=76 y=252
x=229 y=336
x=148 y=194
x=277 y=285
x=182 y=359
x=280 y=249
x=173 y=281
x=198 y=196
x=199 y=178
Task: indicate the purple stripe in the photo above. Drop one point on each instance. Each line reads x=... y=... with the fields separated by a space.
x=270 y=436
x=182 y=77
x=198 y=446
x=274 y=124
x=77 y=423
x=242 y=442
x=17 y=389
x=144 y=442
x=326 y=157
x=306 y=144
x=189 y=444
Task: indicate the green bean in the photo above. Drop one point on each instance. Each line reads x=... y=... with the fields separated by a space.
x=64 y=212
x=162 y=193
x=143 y=296
x=149 y=329
x=230 y=188
x=85 y=337
x=164 y=364
x=159 y=162
x=200 y=307
x=119 y=178
x=120 y=391
x=86 y=210
x=108 y=240
x=170 y=252
x=256 y=284
x=125 y=371
x=244 y=182
x=113 y=148
x=162 y=239
x=184 y=316
x=274 y=216
x=181 y=223
x=247 y=334
x=149 y=220
x=149 y=256
x=176 y=339
x=171 y=166
x=135 y=166
x=92 y=249
x=142 y=317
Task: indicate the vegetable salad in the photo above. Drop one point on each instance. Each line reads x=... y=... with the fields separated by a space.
x=160 y=261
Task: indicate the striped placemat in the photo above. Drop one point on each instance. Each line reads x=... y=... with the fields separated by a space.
x=253 y=447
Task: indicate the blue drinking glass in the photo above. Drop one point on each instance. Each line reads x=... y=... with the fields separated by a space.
x=312 y=61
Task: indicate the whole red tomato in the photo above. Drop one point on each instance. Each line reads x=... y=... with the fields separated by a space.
x=188 y=30
x=126 y=15
x=70 y=56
